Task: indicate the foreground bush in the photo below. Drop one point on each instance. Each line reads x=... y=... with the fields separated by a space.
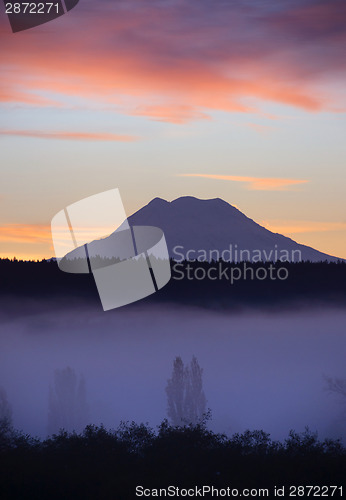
x=108 y=464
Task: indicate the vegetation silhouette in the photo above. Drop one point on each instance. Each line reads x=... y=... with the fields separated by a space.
x=109 y=464
x=307 y=283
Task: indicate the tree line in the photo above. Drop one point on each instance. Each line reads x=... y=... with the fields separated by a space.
x=313 y=283
x=89 y=462
x=108 y=464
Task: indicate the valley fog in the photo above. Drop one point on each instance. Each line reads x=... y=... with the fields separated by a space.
x=260 y=370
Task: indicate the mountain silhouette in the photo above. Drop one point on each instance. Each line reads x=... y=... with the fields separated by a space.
x=215 y=225
x=205 y=230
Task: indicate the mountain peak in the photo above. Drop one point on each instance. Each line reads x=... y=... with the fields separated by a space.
x=193 y=199
x=195 y=228
x=189 y=201
x=158 y=201
x=192 y=224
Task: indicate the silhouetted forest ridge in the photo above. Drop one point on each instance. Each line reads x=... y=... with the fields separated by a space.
x=205 y=284
x=105 y=465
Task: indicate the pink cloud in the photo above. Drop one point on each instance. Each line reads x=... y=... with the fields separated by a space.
x=15 y=96
x=183 y=53
x=173 y=114
x=70 y=136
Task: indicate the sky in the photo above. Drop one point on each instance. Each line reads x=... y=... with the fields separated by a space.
x=238 y=99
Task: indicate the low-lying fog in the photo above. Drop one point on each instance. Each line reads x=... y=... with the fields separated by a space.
x=261 y=371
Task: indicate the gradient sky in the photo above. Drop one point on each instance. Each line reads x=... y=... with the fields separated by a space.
x=239 y=99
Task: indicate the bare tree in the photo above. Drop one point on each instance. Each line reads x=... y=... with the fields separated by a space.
x=195 y=397
x=337 y=386
x=6 y=428
x=67 y=402
x=175 y=390
x=185 y=395
x=5 y=409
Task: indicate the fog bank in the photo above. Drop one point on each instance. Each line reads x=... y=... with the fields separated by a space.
x=261 y=371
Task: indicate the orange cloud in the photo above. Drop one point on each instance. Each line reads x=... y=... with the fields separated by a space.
x=298 y=226
x=23 y=233
x=254 y=183
x=70 y=136
x=41 y=233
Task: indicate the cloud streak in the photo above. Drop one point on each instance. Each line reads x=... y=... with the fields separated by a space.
x=25 y=233
x=13 y=95
x=70 y=136
x=177 y=114
x=254 y=183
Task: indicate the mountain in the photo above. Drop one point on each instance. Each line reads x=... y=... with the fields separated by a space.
x=210 y=227
x=202 y=230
